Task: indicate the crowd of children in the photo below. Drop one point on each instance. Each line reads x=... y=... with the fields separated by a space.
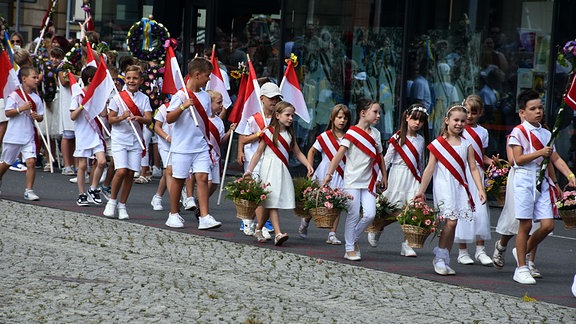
x=189 y=133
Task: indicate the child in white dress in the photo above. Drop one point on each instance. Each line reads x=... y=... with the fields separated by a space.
x=478 y=229
x=450 y=156
x=363 y=150
x=328 y=144
x=274 y=148
x=405 y=161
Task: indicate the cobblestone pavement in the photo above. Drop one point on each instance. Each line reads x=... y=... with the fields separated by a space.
x=67 y=267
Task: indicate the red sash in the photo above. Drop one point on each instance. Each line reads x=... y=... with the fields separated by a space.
x=125 y=96
x=409 y=155
x=282 y=150
x=198 y=109
x=26 y=97
x=469 y=132
x=366 y=144
x=445 y=154
x=214 y=141
x=538 y=145
x=259 y=119
x=330 y=146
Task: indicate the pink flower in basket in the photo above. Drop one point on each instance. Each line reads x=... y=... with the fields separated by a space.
x=325 y=197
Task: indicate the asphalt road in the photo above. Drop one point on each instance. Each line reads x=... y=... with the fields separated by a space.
x=556 y=256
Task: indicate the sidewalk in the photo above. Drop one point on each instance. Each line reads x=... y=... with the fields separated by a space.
x=68 y=267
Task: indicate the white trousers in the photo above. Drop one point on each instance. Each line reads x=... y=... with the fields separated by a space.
x=355 y=225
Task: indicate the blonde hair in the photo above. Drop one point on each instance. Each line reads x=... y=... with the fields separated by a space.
x=214 y=95
x=474 y=103
x=279 y=109
x=452 y=108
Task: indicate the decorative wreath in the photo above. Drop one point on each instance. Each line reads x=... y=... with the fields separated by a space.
x=145 y=39
x=72 y=61
x=48 y=86
x=156 y=97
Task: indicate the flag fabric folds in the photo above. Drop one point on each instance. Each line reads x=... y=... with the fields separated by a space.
x=98 y=91
x=217 y=81
x=291 y=92
x=236 y=114
x=252 y=94
x=8 y=78
x=173 y=80
x=570 y=98
x=90 y=60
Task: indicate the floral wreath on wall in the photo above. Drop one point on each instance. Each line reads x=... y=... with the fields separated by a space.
x=146 y=38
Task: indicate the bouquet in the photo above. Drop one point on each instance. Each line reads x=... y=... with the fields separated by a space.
x=325 y=197
x=384 y=207
x=418 y=213
x=247 y=188
x=300 y=184
x=568 y=200
x=495 y=177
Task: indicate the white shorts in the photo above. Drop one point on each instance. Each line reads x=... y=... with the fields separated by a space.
x=154 y=139
x=108 y=146
x=214 y=175
x=528 y=203
x=88 y=153
x=3 y=117
x=10 y=151
x=184 y=163
x=68 y=134
x=127 y=157
x=164 y=157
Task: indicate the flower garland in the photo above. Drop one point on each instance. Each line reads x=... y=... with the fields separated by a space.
x=153 y=91
x=48 y=86
x=146 y=38
x=72 y=60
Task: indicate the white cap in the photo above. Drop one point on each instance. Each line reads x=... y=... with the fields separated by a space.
x=270 y=90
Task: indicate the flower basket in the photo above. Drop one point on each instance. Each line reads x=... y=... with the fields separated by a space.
x=568 y=217
x=299 y=210
x=245 y=209
x=376 y=225
x=300 y=185
x=495 y=178
x=415 y=235
x=324 y=217
x=384 y=211
x=248 y=189
x=501 y=197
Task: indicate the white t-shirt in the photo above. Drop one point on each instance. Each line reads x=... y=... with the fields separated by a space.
x=186 y=137
x=21 y=127
x=122 y=132
x=86 y=136
x=222 y=131
x=251 y=127
x=160 y=117
x=358 y=171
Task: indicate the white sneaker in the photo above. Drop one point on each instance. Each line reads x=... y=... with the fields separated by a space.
x=373 y=238
x=190 y=203
x=574 y=286
x=464 y=258
x=483 y=258
x=75 y=179
x=208 y=222
x=332 y=239
x=122 y=213
x=522 y=275
x=110 y=209
x=30 y=195
x=157 y=203
x=533 y=270
x=266 y=234
x=249 y=227
x=440 y=266
x=156 y=172
x=449 y=271
x=406 y=250
x=175 y=221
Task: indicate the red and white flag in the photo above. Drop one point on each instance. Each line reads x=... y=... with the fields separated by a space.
x=98 y=91
x=236 y=114
x=570 y=98
x=217 y=81
x=173 y=80
x=8 y=78
x=252 y=94
x=90 y=60
x=75 y=88
x=291 y=92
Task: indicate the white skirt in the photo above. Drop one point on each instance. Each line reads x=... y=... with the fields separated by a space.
x=507 y=223
x=402 y=185
x=478 y=228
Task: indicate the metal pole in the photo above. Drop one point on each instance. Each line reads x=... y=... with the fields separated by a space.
x=18 y=5
x=68 y=20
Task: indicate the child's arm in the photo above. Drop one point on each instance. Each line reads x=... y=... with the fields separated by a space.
x=63 y=77
x=426 y=177
x=74 y=114
x=18 y=110
x=563 y=168
x=229 y=132
x=476 y=174
x=334 y=164
x=146 y=119
x=158 y=130
x=114 y=118
x=173 y=115
x=240 y=154
x=302 y=158
x=522 y=159
x=311 y=152
x=384 y=181
x=255 y=158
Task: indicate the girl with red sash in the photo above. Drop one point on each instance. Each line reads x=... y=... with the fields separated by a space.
x=479 y=228
x=450 y=156
x=328 y=144
x=277 y=141
x=364 y=164
x=405 y=161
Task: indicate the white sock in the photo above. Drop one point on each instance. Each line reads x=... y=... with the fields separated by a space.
x=462 y=251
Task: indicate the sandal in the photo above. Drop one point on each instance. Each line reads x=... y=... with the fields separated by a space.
x=141 y=180
x=258 y=235
x=280 y=238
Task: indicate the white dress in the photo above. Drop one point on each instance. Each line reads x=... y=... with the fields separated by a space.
x=449 y=196
x=275 y=172
x=479 y=226
x=322 y=169
x=65 y=97
x=402 y=185
x=507 y=222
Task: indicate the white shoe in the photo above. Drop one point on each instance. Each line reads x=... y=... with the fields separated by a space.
x=75 y=179
x=464 y=258
x=440 y=266
x=266 y=234
x=449 y=271
x=574 y=286
x=483 y=258
x=249 y=227
x=190 y=203
x=373 y=238
x=123 y=213
x=156 y=203
x=103 y=176
x=515 y=255
x=156 y=172
x=30 y=195
x=522 y=275
x=533 y=271
x=352 y=257
x=332 y=239
x=208 y=222
x=406 y=250
x=175 y=221
x=110 y=209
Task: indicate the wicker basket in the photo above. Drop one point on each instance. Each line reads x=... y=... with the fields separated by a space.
x=569 y=218
x=245 y=209
x=377 y=225
x=299 y=210
x=501 y=196
x=324 y=217
x=415 y=235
